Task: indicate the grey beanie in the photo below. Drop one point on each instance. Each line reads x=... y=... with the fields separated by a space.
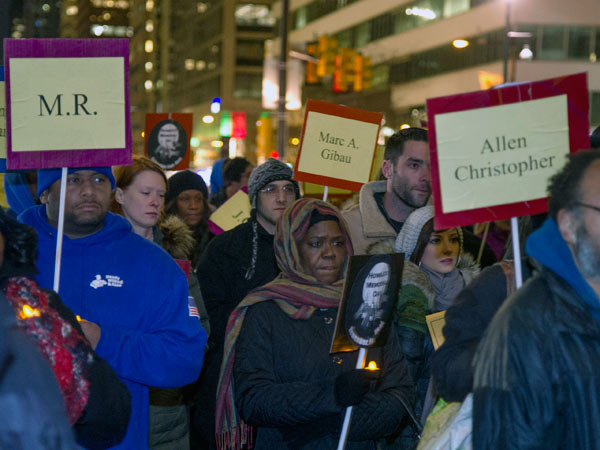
x=407 y=239
x=271 y=170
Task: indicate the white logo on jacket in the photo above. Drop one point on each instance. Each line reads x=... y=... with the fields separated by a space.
x=111 y=280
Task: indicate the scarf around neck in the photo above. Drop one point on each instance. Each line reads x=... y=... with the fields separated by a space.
x=446 y=286
x=294 y=291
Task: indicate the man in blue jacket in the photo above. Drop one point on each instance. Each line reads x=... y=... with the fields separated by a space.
x=537 y=370
x=131 y=295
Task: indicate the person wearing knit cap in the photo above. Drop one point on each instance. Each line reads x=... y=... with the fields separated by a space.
x=187 y=198
x=132 y=297
x=438 y=253
x=234 y=263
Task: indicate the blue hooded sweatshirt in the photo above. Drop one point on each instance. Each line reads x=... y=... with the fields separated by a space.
x=18 y=195
x=138 y=296
x=548 y=247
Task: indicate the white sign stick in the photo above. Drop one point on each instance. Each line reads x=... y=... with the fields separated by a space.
x=514 y=225
x=325 y=192
x=60 y=231
x=360 y=363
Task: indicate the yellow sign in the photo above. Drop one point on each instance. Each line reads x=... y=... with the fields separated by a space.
x=502 y=154
x=435 y=324
x=233 y=212
x=46 y=97
x=338 y=147
x=2 y=122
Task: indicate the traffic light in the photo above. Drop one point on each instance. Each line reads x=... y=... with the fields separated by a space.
x=311 y=68
x=344 y=69
x=327 y=49
x=264 y=135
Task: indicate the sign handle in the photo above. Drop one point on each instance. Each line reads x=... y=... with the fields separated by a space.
x=514 y=225
x=61 y=226
x=360 y=363
x=325 y=192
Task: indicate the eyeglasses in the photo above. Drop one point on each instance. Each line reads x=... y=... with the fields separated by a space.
x=585 y=205
x=273 y=189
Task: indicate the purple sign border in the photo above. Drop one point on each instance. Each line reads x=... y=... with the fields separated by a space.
x=67 y=48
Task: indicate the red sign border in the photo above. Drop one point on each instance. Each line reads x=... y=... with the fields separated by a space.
x=574 y=86
x=345 y=112
x=187 y=122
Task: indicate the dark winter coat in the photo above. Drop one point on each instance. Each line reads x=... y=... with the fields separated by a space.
x=222 y=275
x=33 y=413
x=104 y=419
x=466 y=321
x=537 y=383
x=284 y=383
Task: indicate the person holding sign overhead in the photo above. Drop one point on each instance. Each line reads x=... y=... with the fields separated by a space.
x=234 y=263
x=384 y=205
x=132 y=296
x=277 y=373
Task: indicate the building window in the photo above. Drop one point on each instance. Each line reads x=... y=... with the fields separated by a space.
x=250 y=52
x=254 y=17
x=595 y=108
x=553 y=43
x=248 y=85
x=580 y=39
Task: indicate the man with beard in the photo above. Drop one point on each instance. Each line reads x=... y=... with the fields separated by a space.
x=537 y=370
x=384 y=205
x=131 y=295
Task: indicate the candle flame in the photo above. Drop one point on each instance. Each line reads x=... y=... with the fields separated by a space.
x=28 y=311
x=372 y=366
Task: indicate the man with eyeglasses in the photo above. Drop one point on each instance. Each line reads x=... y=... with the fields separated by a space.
x=537 y=370
x=233 y=264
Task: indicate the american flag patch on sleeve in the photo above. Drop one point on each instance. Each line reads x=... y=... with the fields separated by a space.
x=193 y=309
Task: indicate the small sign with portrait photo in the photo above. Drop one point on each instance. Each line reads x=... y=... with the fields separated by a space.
x=368 y=301
x=167 y=139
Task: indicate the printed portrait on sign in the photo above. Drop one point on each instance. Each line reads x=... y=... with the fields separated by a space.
x=369 y=304
x=167 y=144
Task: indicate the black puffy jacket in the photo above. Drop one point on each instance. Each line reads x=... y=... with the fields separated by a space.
x=284 y=383
x=537 y=372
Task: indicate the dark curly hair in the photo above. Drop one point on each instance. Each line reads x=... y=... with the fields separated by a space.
x=563 y=187
x=394 y=147
x=20 y=242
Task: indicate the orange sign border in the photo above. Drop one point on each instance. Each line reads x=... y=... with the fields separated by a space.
x=345 y=112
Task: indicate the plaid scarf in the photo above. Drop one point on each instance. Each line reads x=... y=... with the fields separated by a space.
x=295 y=292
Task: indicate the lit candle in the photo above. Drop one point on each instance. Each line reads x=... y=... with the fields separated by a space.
x=372 y=366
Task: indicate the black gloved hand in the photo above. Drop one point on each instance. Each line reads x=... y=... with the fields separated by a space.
x=350 y=387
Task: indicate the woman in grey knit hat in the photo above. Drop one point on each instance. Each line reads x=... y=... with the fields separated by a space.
x=439 y=255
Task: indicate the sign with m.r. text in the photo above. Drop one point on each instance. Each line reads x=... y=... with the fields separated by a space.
x=67 y=102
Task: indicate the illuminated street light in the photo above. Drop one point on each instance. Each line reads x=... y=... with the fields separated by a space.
x=526 y=53
x=460 y=43
x=208 y=119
